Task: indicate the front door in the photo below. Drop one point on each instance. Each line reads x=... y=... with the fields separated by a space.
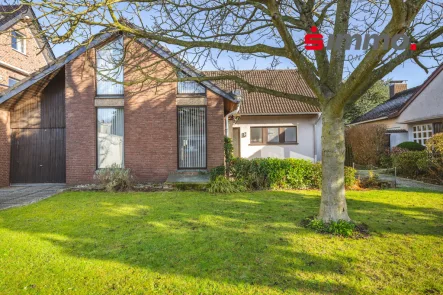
x=236 y=142
x=191 y=124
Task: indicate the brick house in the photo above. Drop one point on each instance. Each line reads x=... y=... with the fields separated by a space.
x=86 y=111
x=23 y=49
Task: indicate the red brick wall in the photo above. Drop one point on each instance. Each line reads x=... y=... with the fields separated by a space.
x=150 y=121
x=80 y=121
x=215 y=130
x=5 y=148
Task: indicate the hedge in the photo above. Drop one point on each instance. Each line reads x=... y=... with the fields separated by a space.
x=273 y=173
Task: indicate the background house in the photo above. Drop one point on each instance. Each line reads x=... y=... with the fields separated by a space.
x=270 y=126
x=410 y=115
x=23 y=49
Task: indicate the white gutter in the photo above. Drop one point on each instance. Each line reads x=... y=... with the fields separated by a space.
x=15 y=69
x=234 y=112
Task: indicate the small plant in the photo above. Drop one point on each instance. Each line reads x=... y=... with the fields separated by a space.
x=115 y=179
x=225 y=186
x=217 y=171
x=411 y=146
x=338 y=228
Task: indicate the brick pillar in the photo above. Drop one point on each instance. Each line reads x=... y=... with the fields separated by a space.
x=5 y=148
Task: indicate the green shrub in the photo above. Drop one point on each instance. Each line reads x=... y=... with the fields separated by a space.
x=273 y=173
x=411 y=163
x=223 y=185
x=411 y=146
x=217 y=171
x=337 y=228
x=229 y=154
x=435 y=149
x=115 y=179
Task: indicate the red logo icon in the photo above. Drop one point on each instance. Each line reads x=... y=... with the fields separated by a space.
x=314 y=41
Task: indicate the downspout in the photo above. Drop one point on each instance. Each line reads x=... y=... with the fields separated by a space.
x=315 y=138
x=237 y=95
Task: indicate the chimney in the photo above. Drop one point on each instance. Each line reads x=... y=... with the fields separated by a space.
x=396 y=87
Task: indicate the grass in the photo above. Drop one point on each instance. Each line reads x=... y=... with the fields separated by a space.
x=197 y=243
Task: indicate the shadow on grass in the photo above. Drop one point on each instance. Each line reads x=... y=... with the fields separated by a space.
x=238 y=239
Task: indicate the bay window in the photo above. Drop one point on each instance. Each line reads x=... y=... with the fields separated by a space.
x=422 y=133
x=110 y=69
x=110 y=140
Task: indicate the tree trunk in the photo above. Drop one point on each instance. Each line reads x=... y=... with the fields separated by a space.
x=333 y=202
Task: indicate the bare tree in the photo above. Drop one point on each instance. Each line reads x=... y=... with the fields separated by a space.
x=274 y=30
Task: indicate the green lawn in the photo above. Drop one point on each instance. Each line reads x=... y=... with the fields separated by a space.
x=197 y=243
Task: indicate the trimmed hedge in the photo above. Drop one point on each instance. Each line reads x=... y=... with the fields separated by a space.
x=411 y=146
x=273 y=173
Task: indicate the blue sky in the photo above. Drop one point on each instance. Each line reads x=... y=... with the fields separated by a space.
x=408 y=71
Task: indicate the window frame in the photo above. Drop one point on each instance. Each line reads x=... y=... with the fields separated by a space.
x=96 y=136
x=420 y=133
x=18 y=36
x=117 y=39
x=12 y=78
x=281 y=136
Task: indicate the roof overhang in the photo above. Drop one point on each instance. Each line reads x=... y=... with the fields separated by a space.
x=423 y=119
x=281 y=114
x=369 y=121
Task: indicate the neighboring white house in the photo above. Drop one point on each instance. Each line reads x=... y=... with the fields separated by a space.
x=269 y=126
x=411 y=115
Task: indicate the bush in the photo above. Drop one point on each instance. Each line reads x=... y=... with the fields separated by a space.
x=410 y=163
x=411 y=146
x=229 y=154
x=273 y=173
x=223 y=185
x=115 y=179
x=367 y=142
x=435 y=149
x=217 y=171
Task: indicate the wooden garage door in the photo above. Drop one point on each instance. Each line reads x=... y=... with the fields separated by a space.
x=38 y=156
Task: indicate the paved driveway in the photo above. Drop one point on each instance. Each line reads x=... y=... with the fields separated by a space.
x=20 y=195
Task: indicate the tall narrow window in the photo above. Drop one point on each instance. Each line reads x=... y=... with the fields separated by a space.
x=110 y=69
x=189 y=86
x=18 y=41
x=110 y=142
x=191 y=137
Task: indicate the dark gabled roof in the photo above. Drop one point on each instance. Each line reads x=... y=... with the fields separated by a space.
x=256 y=103
x=390 y=108
x=98 y=39
x=11 y=14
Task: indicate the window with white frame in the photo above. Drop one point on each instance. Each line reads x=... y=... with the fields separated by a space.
x=421 y=133
x=110 y=69
x=110 y=137
x=18 y=41
x=190 y=87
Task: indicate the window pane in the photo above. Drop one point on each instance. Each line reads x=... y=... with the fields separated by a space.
x=110 y=69
x=18 y=41
x=290 y=134
x=110 y=130
x=256 y=135
x=189 y=86
x=273 y=135
x=12 y=82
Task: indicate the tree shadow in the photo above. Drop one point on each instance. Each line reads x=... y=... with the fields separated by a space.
x=240 y=239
